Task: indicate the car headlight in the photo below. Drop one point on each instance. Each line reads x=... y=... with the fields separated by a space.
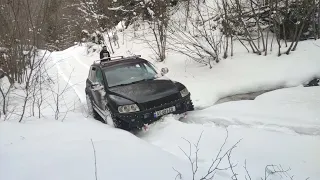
x=184 y=92
x=128 y=108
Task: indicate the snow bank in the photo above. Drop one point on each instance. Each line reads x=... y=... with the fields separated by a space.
x=54 y=150
x=293 y=110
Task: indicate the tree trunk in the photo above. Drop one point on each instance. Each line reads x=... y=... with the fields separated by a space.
x=110 y=42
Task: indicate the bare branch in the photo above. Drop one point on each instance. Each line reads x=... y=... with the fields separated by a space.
x=95 y=160
x=179 y=175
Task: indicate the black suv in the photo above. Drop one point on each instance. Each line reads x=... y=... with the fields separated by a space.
x=132 y=93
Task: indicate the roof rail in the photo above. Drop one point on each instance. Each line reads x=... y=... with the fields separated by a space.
x=100 y=61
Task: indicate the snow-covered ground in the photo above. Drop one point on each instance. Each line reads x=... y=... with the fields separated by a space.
x=280 y=127
x=292 y=109
x=63 y=150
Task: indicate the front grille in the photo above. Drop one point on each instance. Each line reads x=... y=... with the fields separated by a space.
x=161 y=101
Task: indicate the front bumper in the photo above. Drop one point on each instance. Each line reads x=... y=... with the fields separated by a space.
x=139 y=119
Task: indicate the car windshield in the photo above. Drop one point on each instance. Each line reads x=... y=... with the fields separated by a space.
x=129 y=73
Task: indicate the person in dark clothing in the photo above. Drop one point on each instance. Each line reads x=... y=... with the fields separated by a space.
x=104 y=53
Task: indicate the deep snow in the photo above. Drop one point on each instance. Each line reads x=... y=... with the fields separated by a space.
x=294 y=110
x=280 y=127
x=55 y=151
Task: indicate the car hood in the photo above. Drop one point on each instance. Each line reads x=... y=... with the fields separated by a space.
x=146 y=90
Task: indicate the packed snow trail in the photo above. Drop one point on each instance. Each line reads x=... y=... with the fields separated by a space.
x=73 y=71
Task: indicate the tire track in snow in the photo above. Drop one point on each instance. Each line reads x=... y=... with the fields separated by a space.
x=55 y=58
x=80 y=62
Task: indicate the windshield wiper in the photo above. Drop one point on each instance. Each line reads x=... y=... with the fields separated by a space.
x=134 y=82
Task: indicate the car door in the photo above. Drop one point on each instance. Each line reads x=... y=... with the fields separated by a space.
x=99 y=89
x=96 y=87
x=90 y=84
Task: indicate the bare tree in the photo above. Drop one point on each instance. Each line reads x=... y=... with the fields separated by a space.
x=61 y=105
x=250 y=22
x=270 y=170
x=215 y=165
x=32 y=81
x=4 y=93
x=201 y=41
x=101 y=14
x=23 y=62
x=158 y=19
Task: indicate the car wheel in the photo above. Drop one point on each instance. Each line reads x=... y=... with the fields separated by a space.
x=91 y=111
x=113 y=121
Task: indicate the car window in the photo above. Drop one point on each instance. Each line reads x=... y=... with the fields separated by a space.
x=152 y=66
x=99 y=77
x=148 y=68
x=92 y=74
x=129 y=73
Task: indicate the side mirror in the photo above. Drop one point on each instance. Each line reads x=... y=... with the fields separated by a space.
x=97 y=86
x=164 y=71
